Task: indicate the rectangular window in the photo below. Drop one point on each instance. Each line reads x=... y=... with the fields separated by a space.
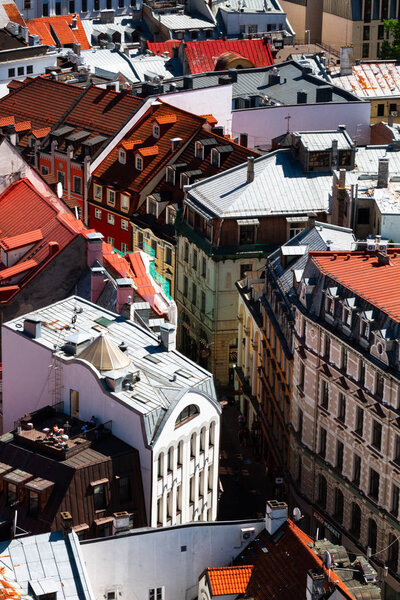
x=140 y=240
x=97 y=213
x=20 y=71
x=154 y=248
x=152 y=207
x=345 y=355
x=392 y=108
x=186 y=253
x=124 y=247
x=110 y=240
x=124 y=490
x=77 y=185
x=171 y=215
x=322 y=442
x=359 y=421
x=247 y=234
x=203 y=267
x=124 y=224
x=379 y=384
x=71 y=6
x=357 y=470
x=245 y=268
x=44 y=170
x=27 y=4
x=203 y=302
x=339 y=456
x=110 y=219
x=58 y=8
x=366 y=32
x=365 y=50
x=29 y=70
x=342 y=408
x=397 y=449
x=97 y=191
x=374 y=484
x=99 y=496
x=111 y=197
x=194 y=294
x=124 y=202
x=376 y=435
x=380 y=110
x=194 y=260
x=11 y=494
x=185 y=286
x=84 y=5
x=395 y=501
x=381 y=32
x=156 y=593
x=325 y=394
x=168 y=256
x=61 y=178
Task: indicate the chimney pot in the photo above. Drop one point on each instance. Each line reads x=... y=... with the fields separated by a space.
x=275 y=516
x=168 y=336
x=250 y=169
x=383 y=173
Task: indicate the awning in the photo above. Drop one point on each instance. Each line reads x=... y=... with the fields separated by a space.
x=241 y=222
x=99 y=482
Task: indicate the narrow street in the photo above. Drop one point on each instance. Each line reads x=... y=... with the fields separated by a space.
x=246 y=485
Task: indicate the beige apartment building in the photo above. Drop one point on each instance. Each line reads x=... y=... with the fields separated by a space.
x=345 y=447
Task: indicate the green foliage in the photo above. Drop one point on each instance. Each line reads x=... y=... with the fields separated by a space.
x=391 y=50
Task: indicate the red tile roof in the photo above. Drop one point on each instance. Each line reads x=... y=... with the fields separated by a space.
x=270 y=578
x=19 y=241
x=166 y=119
x=40 y=100
x=23 y=126
x=4 y=121
x=130 y=144
x=202 y=55
x=363 y=274
x=210 y=119
x=13 y=13
x=23 y=213
x=56 y=31
x=229 y=580
x=41 y=133
x=148 y=151
x=161 y=47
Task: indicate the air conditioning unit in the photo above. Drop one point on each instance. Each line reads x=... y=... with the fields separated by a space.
x=247 y=534
x=383 y=246
x=371 y=245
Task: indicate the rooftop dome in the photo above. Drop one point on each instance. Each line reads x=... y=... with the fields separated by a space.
x=232 y=60
x=105 y=355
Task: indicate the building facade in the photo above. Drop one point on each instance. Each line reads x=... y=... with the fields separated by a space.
x=345 y=442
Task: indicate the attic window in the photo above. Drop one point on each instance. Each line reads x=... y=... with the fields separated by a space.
x=199 y=151
x=188 y=413
x=156 y=131
x=170 y=175
x=175 y=143
x=152 y=208
x=139 y=163
x=104 y=321
x=215 y=158
x=152 y=358
x=122 y=156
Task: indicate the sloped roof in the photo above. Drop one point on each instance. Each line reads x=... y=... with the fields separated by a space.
x=364 y=275
x=202 y=54
x=229 y=580
x=57 y=31
x=13 y=13
x=105 y=355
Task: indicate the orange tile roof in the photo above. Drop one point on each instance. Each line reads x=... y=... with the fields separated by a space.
x=13 y=13
x=210 y=119
x=18 y=268
x=148 y=151
x=19 y=241
x=4 y=121
x=363 y=274
x=57 y=31
x=22 y=126
x=229 y=580
x=41 y=133
x=130 y=144
x=165 y=119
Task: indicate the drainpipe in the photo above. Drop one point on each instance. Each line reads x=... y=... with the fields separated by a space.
x=70 y=153
x=86 y=185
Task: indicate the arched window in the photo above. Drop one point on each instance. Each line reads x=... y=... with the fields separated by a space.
x=372 y=535
x=188 y=413
x=160 y=465
x=393 y=553
x=211 y=439
x=170 y=464
x=339 y=504
x=355 y=520
x=203 y=439
x=193 y=445
x=322 y=491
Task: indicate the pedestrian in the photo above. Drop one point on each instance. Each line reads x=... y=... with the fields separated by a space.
x=241 y=421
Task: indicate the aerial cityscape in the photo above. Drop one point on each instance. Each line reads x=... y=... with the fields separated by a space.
x=200 y=299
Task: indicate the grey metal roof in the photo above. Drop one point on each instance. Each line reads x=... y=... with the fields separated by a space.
x=321 y=237
x=159 y=383
x=322 y=140
x=251 y=6
x=176 y=22
x=280 y=187
x=50 y=558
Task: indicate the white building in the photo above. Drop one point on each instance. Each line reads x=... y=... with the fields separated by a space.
x=94 y=362
x=255 y=17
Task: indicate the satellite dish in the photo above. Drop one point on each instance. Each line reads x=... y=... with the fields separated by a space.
x=59 y=189
x=296 y=514
x=327 y=560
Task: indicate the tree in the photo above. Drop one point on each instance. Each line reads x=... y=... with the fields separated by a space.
x=390 y=50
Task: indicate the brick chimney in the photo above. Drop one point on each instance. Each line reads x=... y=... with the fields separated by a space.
x=97 y=282
x=124 y=292
x=383 y=173
x=275 y=516
x=94 y=248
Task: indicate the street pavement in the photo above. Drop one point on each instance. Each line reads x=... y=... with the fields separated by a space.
x=243 y=476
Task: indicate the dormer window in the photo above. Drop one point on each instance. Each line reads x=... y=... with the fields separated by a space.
x=170 y=215
x=122 y=156
x=331 y=295
x=366 y=318
x=199 y=151
x=170 y=175
x=215 y=158
x=184 y=180
x=152 y=208
x=349 y=305
x=175 y=143
x=156 y=131
x=139 y=162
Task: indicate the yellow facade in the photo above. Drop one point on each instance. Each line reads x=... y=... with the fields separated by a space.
x=162 y=251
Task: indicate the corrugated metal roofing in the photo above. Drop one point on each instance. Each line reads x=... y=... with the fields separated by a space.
x=280 y=187
x=322 y=140
x=177 y=22
x=371 y=79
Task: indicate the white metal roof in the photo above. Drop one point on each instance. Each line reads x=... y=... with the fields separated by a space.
x=177 y=22
x=322 y=140
x=371 y=79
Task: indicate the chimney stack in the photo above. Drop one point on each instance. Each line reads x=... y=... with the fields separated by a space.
x=383 y=173
x=124 y=292
x=311 y=220
x=275 y=516
x=390 y=119
x=342 y=179
x=335 y=152
x=94 y=248
x=315 y=584
x=96 y=282
x=33 y=327
x=168 y=336
x=346 y=60
x=250 y=169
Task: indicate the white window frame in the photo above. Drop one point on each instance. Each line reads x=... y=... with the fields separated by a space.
x=110 y=219
x=124 y=247
x=139 y=162
x=199 y=151
x=124 y=198
x=122 y=156
x=152 y=203
x=171 y=215
x=215 y=158
x=98 y=213
x=124 y=224
x=156 y=131
x=110 y=240
x=98 y=191
x=111 y=194
x=170 y=175
x=347 y=316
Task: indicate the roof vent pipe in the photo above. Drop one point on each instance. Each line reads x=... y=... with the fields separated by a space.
x=250 y=169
